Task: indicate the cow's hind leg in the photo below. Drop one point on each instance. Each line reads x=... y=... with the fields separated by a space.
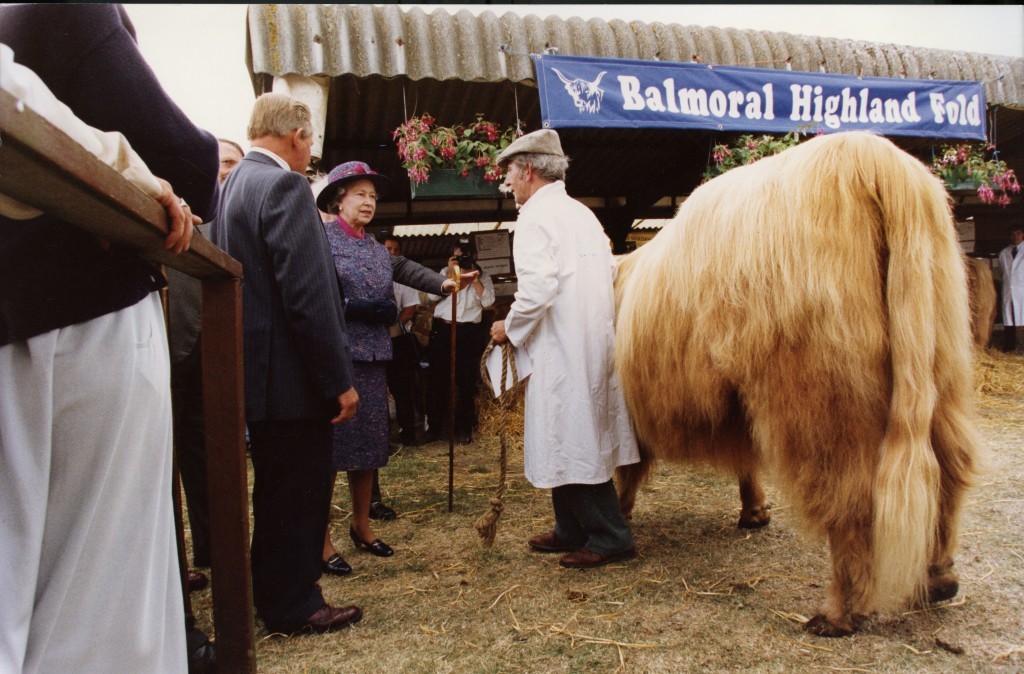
x=756 y=512
x=849 y=544
x=952 y=442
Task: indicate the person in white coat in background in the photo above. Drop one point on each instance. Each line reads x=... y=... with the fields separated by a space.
x=577 y=426
x=1011 y=262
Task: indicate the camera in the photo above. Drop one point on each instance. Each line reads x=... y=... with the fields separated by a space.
x=464 y=261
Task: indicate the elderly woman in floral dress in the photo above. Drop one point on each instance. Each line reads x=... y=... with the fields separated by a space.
x=365 y=272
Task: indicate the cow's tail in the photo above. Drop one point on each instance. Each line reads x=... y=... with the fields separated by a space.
x=629 y=478
x=924 y=271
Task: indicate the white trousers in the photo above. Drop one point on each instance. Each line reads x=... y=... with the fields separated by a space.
x=88 y=565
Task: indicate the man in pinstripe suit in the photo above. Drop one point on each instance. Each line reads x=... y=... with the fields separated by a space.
x=298 y=372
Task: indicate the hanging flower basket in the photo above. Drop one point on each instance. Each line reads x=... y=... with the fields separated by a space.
x=447 y=182
x=452 y=161
x=976 y=167
x=747 y=149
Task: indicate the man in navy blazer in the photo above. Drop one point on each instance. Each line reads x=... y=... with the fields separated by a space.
x=298 y=371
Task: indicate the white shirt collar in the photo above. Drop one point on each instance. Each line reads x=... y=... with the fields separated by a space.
x=280 y=162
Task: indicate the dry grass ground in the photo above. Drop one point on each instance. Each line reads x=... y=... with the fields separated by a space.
x=702 y=595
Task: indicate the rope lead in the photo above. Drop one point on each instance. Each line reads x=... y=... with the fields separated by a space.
x=487 y=524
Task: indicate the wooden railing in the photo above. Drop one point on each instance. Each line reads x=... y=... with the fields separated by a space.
x=43 y=167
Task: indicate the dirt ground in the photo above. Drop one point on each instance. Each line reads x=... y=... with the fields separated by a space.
x=703 y=595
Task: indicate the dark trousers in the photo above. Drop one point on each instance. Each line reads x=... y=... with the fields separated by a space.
x=1009 y=338
x=402 y=383
x=589 y=515
x=291 y=498
x=190 y=449
x=469 y=348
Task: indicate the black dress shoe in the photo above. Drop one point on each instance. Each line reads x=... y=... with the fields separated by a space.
x=337 y=566
x=197 y=581
x=202 y=654
x=377 y=547
x=328 y=618
x=380 y=511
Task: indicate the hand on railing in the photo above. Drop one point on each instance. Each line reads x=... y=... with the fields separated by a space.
x=179 y=219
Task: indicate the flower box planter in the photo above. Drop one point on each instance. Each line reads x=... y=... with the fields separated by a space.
x=447 y=183
x=962 y=185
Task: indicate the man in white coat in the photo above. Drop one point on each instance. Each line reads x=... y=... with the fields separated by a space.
x=577 y=427
x=1011 y=261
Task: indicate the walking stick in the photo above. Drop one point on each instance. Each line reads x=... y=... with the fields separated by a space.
x=456 y=275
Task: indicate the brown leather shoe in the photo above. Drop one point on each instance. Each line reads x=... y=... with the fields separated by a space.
x=585 y=559
x=197 y=581
x=328 y=618
x=550 y=542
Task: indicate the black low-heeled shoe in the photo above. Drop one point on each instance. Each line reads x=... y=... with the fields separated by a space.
x=337 y=566
x=377 y=547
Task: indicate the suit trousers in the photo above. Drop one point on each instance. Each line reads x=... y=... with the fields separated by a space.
x=291 y=499
x=402 y=383
x=190 y=449
x=89 y=577
x=588 y=514
x=468 y=349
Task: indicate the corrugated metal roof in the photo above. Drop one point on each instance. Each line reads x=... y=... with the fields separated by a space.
x=385 y=63
x=394 y=41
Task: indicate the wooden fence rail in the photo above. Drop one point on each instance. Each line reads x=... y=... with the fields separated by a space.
x=43 y=167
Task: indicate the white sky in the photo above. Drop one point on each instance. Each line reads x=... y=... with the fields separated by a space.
x=198 y=51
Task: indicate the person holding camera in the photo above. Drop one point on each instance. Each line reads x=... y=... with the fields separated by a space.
x=470 y=337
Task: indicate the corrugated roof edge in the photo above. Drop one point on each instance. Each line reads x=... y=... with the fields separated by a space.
x=393 y=41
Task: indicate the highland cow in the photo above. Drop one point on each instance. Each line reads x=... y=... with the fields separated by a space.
x=808 y=315
x=982 y=292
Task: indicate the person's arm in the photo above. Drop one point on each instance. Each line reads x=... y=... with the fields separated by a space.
x=415 y=275
x=115 y=89
x=485 y=290
x=110 y=147
x=537 y=276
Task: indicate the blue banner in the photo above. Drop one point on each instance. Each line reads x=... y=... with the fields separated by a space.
x=580 y=91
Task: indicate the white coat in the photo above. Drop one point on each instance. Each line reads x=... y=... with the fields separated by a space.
x=1013 y=285
x=577 y=427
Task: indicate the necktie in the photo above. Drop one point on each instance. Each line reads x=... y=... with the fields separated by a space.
x=1014 y=251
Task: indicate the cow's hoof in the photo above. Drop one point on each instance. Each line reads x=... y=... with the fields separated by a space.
x=756 y=518
x=821 y=626
x=942 y=588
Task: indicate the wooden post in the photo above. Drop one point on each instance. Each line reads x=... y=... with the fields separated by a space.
x=227 y=475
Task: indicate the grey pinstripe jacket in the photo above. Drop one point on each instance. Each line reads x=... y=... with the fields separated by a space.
x=295 y=343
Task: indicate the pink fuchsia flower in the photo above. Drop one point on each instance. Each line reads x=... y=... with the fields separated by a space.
x=986 y=194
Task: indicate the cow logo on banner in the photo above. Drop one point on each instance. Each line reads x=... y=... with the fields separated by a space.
x=586 y=95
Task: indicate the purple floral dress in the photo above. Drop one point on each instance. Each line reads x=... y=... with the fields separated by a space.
x=363 y=267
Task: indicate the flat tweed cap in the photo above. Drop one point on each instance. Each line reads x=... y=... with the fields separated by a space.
x=544 y=141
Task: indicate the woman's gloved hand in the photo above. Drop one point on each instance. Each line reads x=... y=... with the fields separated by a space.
x=376 y=312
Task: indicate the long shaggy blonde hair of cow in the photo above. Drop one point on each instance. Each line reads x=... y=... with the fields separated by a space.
x=807 y=315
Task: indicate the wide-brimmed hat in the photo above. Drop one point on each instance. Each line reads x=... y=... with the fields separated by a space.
x=544 y=141
x=345 y=173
